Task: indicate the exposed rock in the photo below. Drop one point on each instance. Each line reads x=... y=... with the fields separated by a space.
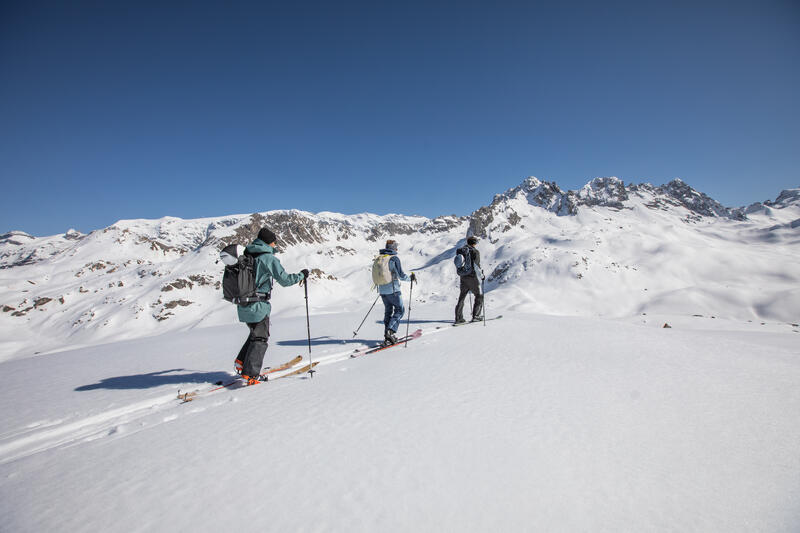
x=442 y=224
x=175 y=303
x=39 y=302
x=480 y=221
x=678 y=194
x=605 y=192
x=390 y=229
x=291 y=227
x=158 y=246
x=177 y=284
x=73 y=235
x=316 y=273
x=499 y=272
x=786 y=198
x=337 y=251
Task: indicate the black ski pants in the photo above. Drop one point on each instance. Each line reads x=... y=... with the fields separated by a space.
x=255 y=347
x=470 y=284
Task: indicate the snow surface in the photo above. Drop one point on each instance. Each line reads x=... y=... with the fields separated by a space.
x=531 y=423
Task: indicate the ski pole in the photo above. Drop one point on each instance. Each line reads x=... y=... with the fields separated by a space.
x=408 y=322
x=308 y=326
x=483 y=293
x=365 y=317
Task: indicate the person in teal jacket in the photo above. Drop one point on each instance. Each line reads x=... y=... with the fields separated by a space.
x=256 y=314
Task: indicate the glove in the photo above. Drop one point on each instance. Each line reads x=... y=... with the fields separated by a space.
x=304 y=272
x=413 y=278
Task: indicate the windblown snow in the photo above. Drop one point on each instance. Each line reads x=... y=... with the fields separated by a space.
x=577 y=411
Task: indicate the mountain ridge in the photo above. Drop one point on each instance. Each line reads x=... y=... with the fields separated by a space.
x=607 y=249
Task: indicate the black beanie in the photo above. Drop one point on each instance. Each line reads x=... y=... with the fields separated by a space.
x=472 y=240
x=267 y=236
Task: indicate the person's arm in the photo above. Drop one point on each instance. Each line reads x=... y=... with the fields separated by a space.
x=281 y=276
x=398 y=269
x=476 y=261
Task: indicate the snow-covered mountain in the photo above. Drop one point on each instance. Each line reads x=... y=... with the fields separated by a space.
x=606 y=249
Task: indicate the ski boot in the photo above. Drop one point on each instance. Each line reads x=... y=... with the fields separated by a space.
x=254 y=380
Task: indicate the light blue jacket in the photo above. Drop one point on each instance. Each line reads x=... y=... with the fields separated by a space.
x=397 y=274
x=267 y=268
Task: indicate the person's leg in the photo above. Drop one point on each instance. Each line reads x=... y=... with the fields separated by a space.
x=254 y=357
x=388 y=309
x=462 y=295
x=399 y=311
x=239 y=362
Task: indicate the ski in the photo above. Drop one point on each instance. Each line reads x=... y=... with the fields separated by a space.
x=299 y=370
x=476 y=321
x=373 y=349
x=284 y=366
x=189 y=396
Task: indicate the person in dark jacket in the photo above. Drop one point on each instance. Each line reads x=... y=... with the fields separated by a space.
x=256 y=314
x=471 y=282
x=390 y=293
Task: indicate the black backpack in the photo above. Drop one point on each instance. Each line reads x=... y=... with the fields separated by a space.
x=463 y=261
x=239 y=278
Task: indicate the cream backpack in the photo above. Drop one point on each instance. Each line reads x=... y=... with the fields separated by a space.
x=381 y=275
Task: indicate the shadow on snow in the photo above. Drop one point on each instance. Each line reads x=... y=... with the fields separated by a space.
x=156 y=379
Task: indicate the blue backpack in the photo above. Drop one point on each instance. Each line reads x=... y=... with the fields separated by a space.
x=463 y=261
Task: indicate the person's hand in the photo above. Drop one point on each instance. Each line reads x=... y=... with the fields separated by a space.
x=304 y=272
x=413 y=278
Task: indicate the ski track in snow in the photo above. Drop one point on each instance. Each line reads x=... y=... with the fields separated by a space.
x=23 y=444
x=46 y=435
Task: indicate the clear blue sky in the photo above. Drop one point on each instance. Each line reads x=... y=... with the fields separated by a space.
x=112 y=110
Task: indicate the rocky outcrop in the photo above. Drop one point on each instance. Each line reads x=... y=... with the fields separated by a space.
x=679 y=194
x=603 y=192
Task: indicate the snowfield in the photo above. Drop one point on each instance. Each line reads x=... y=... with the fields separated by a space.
x=645 y=375
x=531 y=423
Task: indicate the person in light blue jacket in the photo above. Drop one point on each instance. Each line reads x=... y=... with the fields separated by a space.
x=390 y=293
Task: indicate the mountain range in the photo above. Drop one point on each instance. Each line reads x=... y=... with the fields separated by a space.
x=607 y=249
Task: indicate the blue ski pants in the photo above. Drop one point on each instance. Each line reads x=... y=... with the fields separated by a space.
x=394 y=310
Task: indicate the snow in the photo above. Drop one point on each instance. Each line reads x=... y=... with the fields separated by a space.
x=531 y=422
x=577 y=411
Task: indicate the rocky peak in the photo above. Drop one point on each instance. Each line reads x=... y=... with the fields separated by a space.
x=786 y=198
x=73 y=235
x=604 y=192
x=693 y=200
x=677 y=193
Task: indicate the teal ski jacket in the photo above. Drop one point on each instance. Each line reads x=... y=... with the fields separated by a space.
x=268 y=268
